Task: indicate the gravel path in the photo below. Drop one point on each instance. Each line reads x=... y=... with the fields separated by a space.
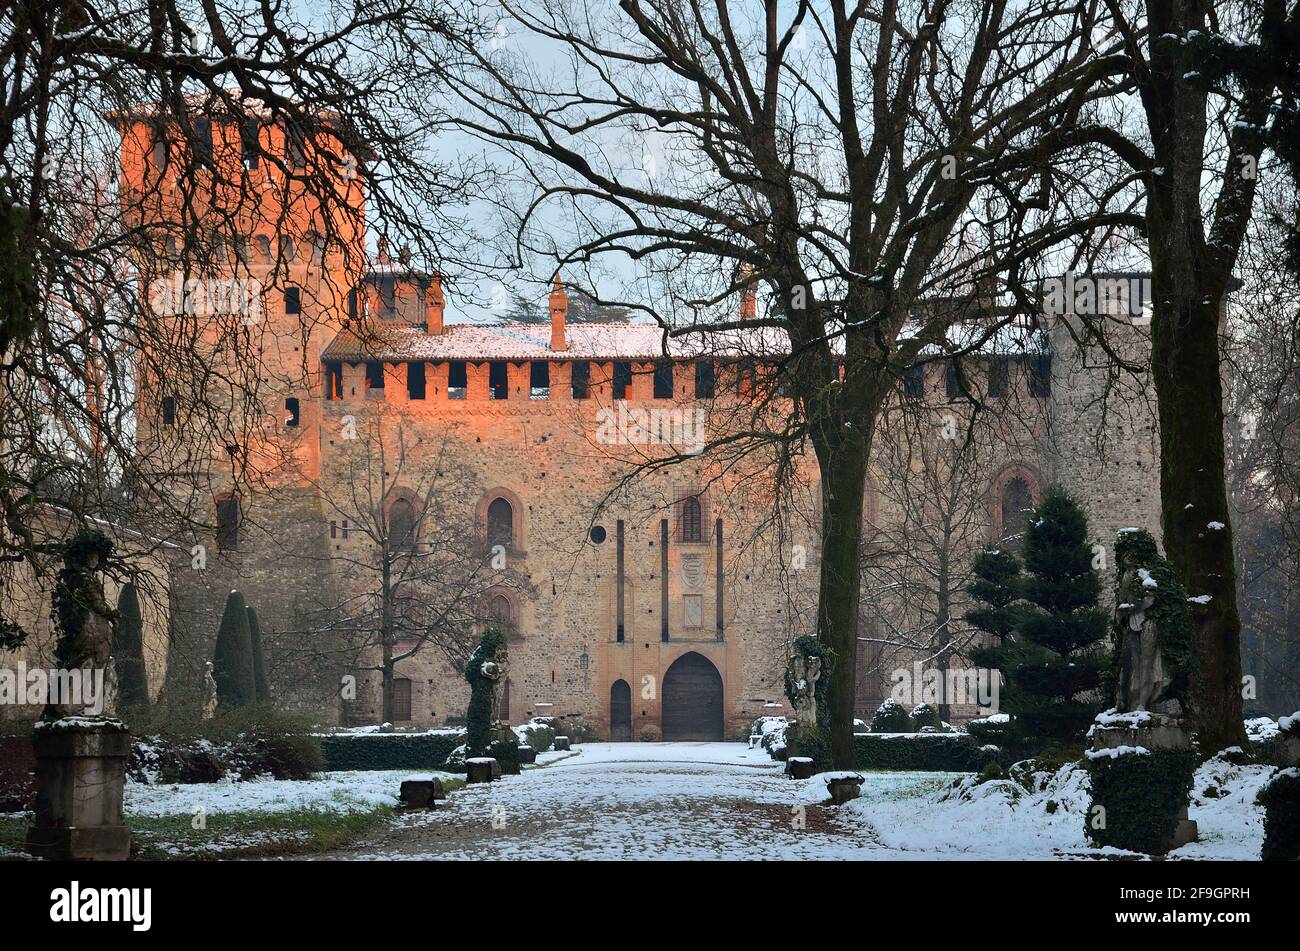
x=629 y=801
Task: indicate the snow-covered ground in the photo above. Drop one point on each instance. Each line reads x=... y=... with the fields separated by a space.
x=724 y=800
x=716 y=801
x=359 y=791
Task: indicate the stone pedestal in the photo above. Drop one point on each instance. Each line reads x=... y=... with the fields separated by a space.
x=799 y=767
x=80 y=775
x=1115 y=736
x=482 y=769
x=561 y=744
x=527 y=754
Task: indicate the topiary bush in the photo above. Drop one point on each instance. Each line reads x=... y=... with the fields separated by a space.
x=128 y=652
x=924 y=715
x=539 y=736
x=233 y=663
x=890 y=717
x=1280 y=798
x=1142 y=795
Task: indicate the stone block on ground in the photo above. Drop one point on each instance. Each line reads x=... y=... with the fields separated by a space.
x=421 y=793
x=527 y=754
x=799 y=767
x=561 y=744
x=482 y=769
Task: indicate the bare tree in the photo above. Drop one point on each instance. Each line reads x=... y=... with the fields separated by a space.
x=843 y=156
x=412 y=569
x=142 y=143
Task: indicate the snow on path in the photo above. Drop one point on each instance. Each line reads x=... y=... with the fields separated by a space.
x=638 y=801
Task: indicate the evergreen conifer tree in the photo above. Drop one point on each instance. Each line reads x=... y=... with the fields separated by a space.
x=260 y=684
x=233 y=663
x=1055 y=665
x=128 y=652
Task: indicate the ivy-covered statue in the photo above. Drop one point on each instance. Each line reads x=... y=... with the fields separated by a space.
x=1155 y=645
x=84 y=620
x=1143 y=759
x=806 y=675
x=485 y=734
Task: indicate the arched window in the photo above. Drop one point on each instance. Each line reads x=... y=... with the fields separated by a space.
x=501 y=615
x=1017 y=500
x=692 y=529
x=501 y=523
x=401 y=523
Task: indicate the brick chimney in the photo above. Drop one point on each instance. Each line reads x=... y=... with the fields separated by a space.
x=748 y=293
x=559 y=310
x=434 y=303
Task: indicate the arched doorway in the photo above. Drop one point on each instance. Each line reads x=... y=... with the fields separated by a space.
x=692 y=700
x=620 y=712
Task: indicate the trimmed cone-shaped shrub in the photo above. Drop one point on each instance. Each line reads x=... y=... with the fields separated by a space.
x=233 y=663
x=128 y=652
x=259 y=660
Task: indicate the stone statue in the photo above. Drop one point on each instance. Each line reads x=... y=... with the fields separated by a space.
x=805 y=670
x=210 y=692
x=1153 y=631
x=494 y=671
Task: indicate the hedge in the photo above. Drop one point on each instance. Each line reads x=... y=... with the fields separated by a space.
x=348 y=751
x=1280 y=798
x=947 y=752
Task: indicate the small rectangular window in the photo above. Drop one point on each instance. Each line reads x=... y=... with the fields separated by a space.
x=539 y=380
x=345 y=529
x=704 y=380
x=291 y=409
x=387 y=296
x=457 y=380
x=334 y=529
x=663 y=380
x=952 y=380
x=622 y=379
x=248 y=136
x=292 y=300
x=498 y=381
x=169 y=411
x=914 y=382
x=415 y=380
x=203 y=141
x=581 y=375
x=296 y=147
x=374 y=376
x=997 y=376
x=1040 y=375
x=228 y=524
x=352 y=304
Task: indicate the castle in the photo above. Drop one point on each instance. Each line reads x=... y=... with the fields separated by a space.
x=517 y=467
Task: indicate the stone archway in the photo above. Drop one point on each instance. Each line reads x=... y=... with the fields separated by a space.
x=620 y=712
x=692 y=700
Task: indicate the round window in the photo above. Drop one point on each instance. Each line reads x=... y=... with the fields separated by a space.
x=598 y=534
